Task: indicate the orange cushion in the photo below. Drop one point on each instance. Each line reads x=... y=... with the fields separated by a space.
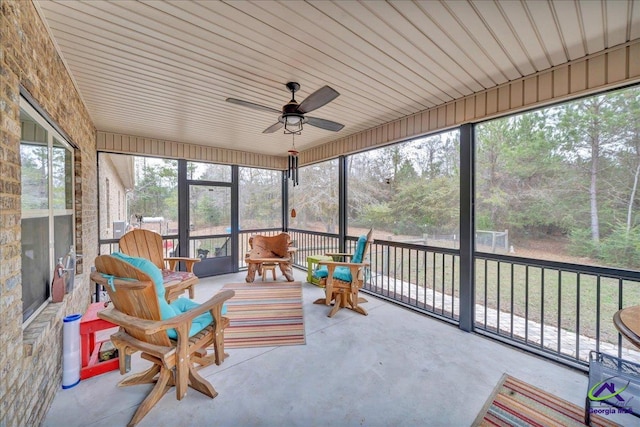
x=170 y=276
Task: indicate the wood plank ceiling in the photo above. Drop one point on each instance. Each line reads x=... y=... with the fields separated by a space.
x=163 y=69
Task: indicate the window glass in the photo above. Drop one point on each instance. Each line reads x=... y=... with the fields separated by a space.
x=36 y=272
x=561 y=183
x=34 y=156
x=62 y=176
x=407 y=192
x=315 y=198
x=62 y=234
x=260 y=193
x=46 y=206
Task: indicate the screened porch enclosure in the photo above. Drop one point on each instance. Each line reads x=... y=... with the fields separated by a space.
x=489 y=227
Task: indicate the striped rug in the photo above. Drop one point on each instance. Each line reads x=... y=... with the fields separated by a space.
x=264 y=315
x=516 y=403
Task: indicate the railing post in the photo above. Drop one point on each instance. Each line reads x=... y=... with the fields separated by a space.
x=183 y=210
x=235 y=217
x=467 y=228
x=342 y=202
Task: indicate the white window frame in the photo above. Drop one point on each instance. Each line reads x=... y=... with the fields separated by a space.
x=51 y=212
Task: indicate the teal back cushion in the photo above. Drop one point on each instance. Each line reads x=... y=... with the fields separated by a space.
x=359 y=253
x=167 y=311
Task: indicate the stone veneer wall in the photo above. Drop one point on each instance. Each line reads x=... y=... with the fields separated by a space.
x=30 y=359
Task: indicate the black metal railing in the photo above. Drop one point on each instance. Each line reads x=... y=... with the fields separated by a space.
x=312 y=243
x=415 y=276
x=562 y=311
x=423 y=278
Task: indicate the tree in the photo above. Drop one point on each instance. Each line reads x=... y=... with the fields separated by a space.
x=491 y=197
x=630 y=157
x=316 y=197
x=35 y=167
x=407 y=188
x=260 y=198
x=588 y=130
x=155 y=188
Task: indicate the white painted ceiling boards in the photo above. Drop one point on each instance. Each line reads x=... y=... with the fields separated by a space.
x=163 y=69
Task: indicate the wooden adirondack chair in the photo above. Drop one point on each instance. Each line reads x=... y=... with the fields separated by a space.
x=148 y=244
x=343 y=280
x=174 y=345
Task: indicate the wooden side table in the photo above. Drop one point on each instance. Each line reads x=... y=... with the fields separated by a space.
x=90 y=325
x=627 y=321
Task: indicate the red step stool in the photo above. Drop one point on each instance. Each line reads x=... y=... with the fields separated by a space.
x=90 y=324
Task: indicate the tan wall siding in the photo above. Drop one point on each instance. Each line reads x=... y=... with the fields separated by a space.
x=30 y=360
x=608 y=69
x=114 y=194
x=118 y=143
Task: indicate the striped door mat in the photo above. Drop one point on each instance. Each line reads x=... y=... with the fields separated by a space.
x=516 y=403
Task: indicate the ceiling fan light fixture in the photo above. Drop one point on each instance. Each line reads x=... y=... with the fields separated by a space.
x=292 y=123
x=293 y=119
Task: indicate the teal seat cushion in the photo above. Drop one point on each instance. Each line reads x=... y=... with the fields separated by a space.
x=321 y=272
x=182 y=305
x=167 y=311
x=341 y=272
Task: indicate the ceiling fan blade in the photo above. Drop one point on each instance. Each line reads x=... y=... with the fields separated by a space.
x=252 y=105
x=324 y=124
x=274 y=127
x=317 y=99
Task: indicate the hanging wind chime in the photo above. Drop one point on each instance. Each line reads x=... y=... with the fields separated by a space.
x=292 y=171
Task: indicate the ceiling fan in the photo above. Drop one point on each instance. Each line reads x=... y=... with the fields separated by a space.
x=293 y=115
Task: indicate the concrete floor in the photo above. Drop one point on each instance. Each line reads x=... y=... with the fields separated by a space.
x=390 y=368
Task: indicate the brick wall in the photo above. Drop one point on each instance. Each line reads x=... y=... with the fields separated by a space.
x=30 y=360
